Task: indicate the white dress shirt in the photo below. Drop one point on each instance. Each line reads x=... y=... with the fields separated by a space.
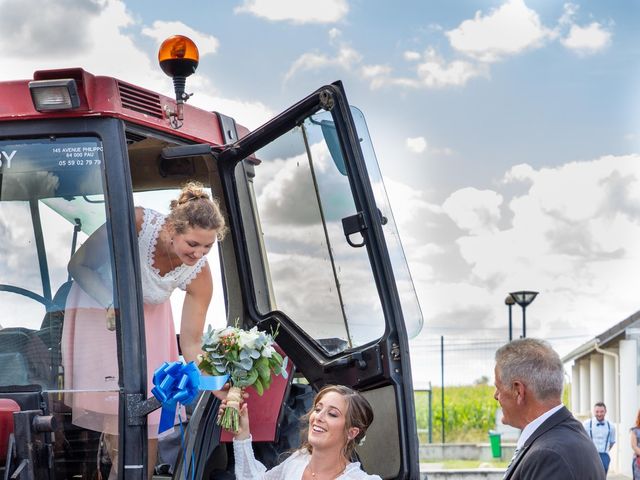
x=533 y=426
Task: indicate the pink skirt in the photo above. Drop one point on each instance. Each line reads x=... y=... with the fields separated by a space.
x=90 y=360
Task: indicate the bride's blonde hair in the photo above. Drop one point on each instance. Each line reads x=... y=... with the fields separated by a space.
x=194 y=208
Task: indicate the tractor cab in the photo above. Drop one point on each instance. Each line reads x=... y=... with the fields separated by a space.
x=312 y=251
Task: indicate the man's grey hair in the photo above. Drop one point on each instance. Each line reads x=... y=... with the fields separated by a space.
x=534 y=363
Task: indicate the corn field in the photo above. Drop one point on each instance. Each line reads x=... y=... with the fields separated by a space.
x=469 y=413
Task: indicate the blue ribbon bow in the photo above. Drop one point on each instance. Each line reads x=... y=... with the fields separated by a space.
x=177 y=383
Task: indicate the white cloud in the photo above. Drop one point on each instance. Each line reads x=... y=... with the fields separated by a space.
x=587 y=40
x=575 y=230
x=40 y=27
x=420 y=145
x=103 y=48
x=435 y=72
x=573 y=235
x=334 y=33
x=505 y=31
x=384 y=79
x=519 y=172
x=443 y=151
x=375 y=71
x=583 y=40
x=597 y=188
x=411 y=56
x=416 y=144
x=159 y=31
x=297 y=11
x=432 y=71
x=418 y=246
x=474 y=210
x=345 y=59
x=250 y=114
x=569 y=12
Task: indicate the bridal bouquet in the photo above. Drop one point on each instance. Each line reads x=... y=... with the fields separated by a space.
x=248 y=357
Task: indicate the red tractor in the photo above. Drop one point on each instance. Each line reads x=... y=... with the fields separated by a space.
x=312 y=251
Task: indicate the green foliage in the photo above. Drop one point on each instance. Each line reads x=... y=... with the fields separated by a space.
x=566 y=396
x=469 y=413
x=258 y=386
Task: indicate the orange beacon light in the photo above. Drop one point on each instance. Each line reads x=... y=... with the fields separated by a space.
x=178 y=57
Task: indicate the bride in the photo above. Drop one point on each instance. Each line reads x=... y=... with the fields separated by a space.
x=337 y=422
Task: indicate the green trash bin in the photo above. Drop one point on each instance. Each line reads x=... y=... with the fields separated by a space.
x=496 y=444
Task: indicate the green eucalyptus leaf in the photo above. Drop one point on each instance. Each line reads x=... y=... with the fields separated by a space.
x=267 y=383
x=283 y=367
x=262 y=362
x=264 y=371
x=258 y=386
x=205 y=365
x=245 y=364
x=251 y=378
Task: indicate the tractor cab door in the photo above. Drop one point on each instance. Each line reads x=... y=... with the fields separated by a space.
x=319 y=258
x=60 y=351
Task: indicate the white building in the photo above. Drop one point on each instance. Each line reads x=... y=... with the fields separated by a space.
x=606 y=369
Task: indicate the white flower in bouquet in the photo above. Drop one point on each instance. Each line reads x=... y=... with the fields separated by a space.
x=248 y=339
x=248 y=357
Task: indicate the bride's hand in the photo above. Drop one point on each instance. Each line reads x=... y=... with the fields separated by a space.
x=224 y=391
x=243 y=428
x=244 y=432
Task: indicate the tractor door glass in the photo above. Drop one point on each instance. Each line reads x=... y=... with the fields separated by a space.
x=320 y=280
x=57 y=342
x=406 y=290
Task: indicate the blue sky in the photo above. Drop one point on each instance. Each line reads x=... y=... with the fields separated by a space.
x=507 y=131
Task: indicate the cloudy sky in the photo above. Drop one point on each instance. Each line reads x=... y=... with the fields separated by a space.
x=507 y=133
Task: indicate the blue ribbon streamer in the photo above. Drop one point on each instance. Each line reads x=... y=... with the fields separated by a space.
x=177 y=383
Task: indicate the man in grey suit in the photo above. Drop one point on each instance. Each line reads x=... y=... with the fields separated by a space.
x=553 y=445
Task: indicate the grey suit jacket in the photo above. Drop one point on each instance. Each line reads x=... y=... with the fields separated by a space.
x=559 y=449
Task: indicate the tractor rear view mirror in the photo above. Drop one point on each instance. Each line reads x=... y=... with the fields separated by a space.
x=330 y=135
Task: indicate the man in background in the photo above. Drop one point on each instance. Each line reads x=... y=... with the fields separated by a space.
x=601 y=432
x=553 y=445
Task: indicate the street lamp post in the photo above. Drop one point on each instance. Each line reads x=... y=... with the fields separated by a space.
x=509 y=302
x=524 y=298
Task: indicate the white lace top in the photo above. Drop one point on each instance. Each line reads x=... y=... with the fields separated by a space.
x=248 y=468
x=157 y=288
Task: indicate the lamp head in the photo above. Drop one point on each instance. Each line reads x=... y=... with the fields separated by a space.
x=523 y=298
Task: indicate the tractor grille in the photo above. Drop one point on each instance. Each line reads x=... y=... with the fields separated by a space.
x=140 y=100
